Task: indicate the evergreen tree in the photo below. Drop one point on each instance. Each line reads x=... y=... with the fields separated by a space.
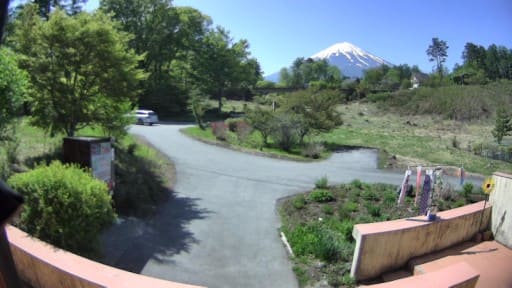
x=503 y=125
x=437 y=51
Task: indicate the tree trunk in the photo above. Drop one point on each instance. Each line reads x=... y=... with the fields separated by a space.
x=220 y=101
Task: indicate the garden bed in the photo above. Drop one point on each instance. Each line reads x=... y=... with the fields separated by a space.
x=318 y=225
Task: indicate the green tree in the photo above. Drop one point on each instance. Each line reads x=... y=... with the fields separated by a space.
x=222 y=64
x=438 y=51
x=503 y=125
x=169 y=38
x=81 y=69
x=65 y=206
x=13 y=89
x=474 y=56
x=303 y=72
x=261 y=120
x=373 y=77
x=315 y=110
x=70 y=6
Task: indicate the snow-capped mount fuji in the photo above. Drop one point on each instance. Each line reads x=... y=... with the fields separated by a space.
x=351 y=59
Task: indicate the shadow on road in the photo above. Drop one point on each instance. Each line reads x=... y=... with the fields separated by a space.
x=131 y=243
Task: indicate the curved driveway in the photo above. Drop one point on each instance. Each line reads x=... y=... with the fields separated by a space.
x=220 y=228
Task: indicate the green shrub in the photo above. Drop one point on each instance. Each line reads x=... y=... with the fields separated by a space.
x=322 y=183
x=459 y=203
x=327 y=209
x=232 y=123
x=369 y=195
x=321 y=195
x=243 y=130
x=348 y=280
x=220 y=130
x=351 y=206
x=328 y=247
x=390 y=198
x=302 y=275
x=356 y=183
x=346 y=229
x=65 y=206
x=303 y=238
x=286 y=130
x=299 y=202
x=467 y=189
x=313 y=150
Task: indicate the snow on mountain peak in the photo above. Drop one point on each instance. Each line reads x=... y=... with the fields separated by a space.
x=351 y=59
x=350 y=51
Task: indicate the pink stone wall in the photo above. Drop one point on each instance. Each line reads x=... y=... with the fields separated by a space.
x=44 y=266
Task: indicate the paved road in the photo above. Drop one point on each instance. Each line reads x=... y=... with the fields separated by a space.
x=220 y=228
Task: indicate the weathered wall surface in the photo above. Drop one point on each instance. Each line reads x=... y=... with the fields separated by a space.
x=384 y=246
x=501 y=201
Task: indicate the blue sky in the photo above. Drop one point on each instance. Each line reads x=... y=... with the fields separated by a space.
x=398 y=30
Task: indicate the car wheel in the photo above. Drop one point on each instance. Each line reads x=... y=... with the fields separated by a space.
x=139 y=122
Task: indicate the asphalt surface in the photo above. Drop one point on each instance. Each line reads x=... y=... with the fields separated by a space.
x=220 y=227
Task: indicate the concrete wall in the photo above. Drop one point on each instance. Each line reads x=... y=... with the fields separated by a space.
x=501 y=200
x=44 y=266
x=385 y=246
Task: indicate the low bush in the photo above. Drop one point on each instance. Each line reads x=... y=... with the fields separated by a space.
x=321 y=195
x=390 y=198
x=313 y=150
x=322 y=183
x=243 y=130
x=370 y=195
x=286 y=130
x=350 y=206
x=220 y=130
x=65 y=206
x=327 y=209
x=373 y=210
x=299 y=202
x=467 y=189
x=356 y=183
x=232 y=123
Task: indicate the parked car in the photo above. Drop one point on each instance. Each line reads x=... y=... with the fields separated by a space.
x=146 y=117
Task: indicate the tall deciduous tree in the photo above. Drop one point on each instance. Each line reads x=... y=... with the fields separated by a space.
x=13 y=88
x=221 y=64
x=168 y=37
x=80 y=67
x=438 y=51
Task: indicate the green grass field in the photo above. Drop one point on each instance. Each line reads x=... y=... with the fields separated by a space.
x=427 y=140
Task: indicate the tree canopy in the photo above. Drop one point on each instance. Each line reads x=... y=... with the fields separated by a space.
x=438 y=51
x=183 y=53
x=80 y=67
x=13 y=88
x=305 y=71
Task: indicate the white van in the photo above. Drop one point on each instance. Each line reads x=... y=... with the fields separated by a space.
x=146 y=117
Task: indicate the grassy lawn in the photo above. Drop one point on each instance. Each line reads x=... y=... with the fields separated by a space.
x=318 y=225
x=416 y=139
x=413 y=140
x=252 y=144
